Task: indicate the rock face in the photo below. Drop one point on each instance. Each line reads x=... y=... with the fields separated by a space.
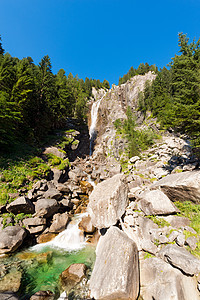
x=180 y=258
x=108 y=201
x=156 y=203
x=11 y=238
x=20 y=205
x=182 y=186
x=116 y=271
x=160 y=281
x=46 y=207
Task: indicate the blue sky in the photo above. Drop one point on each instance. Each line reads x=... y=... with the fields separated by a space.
x=98 y=39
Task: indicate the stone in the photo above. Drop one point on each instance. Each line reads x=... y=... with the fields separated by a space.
x=156 y=203
x=11 y=238
x=116 y=270
x=59 y=222
x=21 y=205
x=55 y=151
x=133 y=159
x=52 y=194
x=180 y=258
x=72 y=275
x=86 y=187
x=46 y=207
x=180 y=240
x=28 y=222
x=191 y=242
x=8 y=296
x=160 y=281
x=173 y=236
x=59 y=176
x=46 y=237
x=63 y=188
x=11 y=281
x=176 y=221
x=43 y=295
x=86 y=225
x=108 y=201
x=183 y=186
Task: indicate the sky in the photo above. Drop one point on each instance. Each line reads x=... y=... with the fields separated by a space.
x=99 y=39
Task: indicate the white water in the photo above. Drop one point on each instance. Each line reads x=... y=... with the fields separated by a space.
x=71 y=239
x=94 y=115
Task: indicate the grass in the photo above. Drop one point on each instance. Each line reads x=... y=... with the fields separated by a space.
x=159 y=221
x=190 y=211
x=16 y=218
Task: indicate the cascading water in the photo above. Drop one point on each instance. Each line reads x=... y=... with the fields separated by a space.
x=92 y=130
x=71 y=239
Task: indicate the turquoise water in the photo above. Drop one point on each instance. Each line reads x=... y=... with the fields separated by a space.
x=42 y=273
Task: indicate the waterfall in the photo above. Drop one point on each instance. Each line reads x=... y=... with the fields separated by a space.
x=71 y=239
x=92 y=130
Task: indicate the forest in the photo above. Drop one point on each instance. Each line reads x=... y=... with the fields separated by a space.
x=174 y=96
x=34 y=101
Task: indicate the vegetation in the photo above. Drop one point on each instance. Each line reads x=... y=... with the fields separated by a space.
x=174 y=97
x=34 y=101
x=159 y=221
x=141 y=70
x=137 y=139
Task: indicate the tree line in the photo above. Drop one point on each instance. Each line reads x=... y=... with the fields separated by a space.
x=34 y=101
x=174 y=96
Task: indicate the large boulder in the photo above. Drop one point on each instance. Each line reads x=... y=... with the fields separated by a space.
x=35 y=225
x=11 y=281
x=183 y=186
x=11 y=238
x=46 y=207
x=59 y=222
x=86 y=225
x=21 y=205
x=54 y=151
x=108 y=201
x=180 y=258
x=156 y=203
x=116 y=270
x=160 y=281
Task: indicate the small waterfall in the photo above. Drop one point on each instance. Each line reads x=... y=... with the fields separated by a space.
x=92 y=131
x=71 y=239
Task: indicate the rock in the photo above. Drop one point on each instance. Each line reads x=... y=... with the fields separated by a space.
x=46 y=207
x=183 y=186
x=86 y=225
x=59 y=176
x=8 y=296
x=21 y=205
x=29 y=222
x=54 y=151
x=72 y=275
x=191 y=242
x=11 y=238
x=43 y=295
x=173 y=236
x=93 y=240
x=156 y=203
x=180 y=240
x=160 y=281
x=63 y=188
x=86 y=187
x=46 y=237
x=52 y=194
x=116 y=270
x=108 y=201
x=11 y=281
x=59 y=222
x=133 y=159
x=176 y=221
x=180 y=258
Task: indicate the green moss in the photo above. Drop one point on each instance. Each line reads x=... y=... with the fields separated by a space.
x=148 y=255
x=159 y=221
x=16 y=218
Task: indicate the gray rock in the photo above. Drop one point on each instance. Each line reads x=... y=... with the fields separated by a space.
x=176 y=221
x=191 y=242
x=11 y=238
x=8 y=295
x=134 y=159
x=108 y=201
x=43 y=295
x=72 y=275
x=59 y=222
x=34 y=222
x=86 y=225
x=183 y=186
x=46 y=207
x=160 y=281
x=21 y=205
x=116 y=271
x=156 y=203
x=173 y=236
x=54 y=151
x=52 y=194
x=59 y=176
x=180 y=240
x=180 y=258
